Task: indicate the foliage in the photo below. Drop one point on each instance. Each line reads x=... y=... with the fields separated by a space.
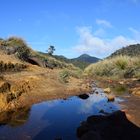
x=82 y=61
x=51 y=50
x=65 y=74
x=131 y=50
x=17 y=46
x=119 y=66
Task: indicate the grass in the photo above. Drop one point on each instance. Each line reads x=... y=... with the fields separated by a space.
x=119 y=66
x=65 y=74
x=11 y=67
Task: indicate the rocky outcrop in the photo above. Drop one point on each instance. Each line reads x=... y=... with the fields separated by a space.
x=115 y=126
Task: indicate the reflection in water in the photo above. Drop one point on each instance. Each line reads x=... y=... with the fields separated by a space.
x=14 y=118
x=98 y=102
x=55 y=119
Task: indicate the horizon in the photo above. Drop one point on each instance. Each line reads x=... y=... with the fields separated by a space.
x=97 y=28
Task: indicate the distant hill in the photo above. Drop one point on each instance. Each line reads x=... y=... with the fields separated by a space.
x=82 y=61
x=86 y=58
x=131 y=50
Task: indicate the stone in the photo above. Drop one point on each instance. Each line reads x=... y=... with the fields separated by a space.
x=83 y=96
x=110 y=98
x=107 y=90
x=114 y=126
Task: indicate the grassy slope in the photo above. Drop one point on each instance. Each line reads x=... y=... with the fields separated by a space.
x=123 y=63
x=34 y=83
x=119 y=67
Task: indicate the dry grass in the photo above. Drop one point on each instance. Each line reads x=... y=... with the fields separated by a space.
x=120 y=66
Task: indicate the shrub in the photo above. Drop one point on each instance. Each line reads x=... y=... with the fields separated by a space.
x=120 y=66
x=65 y=74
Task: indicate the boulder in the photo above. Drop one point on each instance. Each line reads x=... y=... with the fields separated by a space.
x=114 y=126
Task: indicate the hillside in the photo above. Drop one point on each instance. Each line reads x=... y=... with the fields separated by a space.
x=131 y=50
x=28 y=77
x=86 y=58
x=82 y=61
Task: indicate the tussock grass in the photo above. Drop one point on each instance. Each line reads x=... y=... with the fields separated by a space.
x=119 y=66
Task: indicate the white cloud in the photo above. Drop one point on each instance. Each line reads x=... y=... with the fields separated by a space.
x=135 y=32
x=97 y=46
x=104 y=23
x=100 y=32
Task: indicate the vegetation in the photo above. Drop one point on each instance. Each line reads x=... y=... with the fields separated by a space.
x=10 y=67
x=119 y=66
x=17 y=46
x=51 y=50
x=65 y=74
x=82 y=61
x=131 y=50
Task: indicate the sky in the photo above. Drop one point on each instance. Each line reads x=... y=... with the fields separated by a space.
x=74 y=27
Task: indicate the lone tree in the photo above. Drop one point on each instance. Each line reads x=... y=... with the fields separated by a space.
x=51 y=50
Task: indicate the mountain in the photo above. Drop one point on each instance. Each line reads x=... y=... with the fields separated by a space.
x=131 y=50
x=82 y=61
x=86 y=58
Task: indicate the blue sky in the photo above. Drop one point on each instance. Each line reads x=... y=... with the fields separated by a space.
x=96 y=27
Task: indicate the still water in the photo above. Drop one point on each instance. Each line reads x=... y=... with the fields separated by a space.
x=56 y=119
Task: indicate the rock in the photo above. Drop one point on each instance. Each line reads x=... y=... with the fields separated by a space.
x=96 y=92
x=107 y=90
x=135 y=91
x=110 y=98
x=121 y=82
x=115 y=126
x=91 y=135
x=83 y=96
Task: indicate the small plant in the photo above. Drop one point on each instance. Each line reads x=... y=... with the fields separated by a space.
x=66 y=74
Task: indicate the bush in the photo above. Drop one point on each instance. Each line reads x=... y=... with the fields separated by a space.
x=120 y=66
x=65 y=74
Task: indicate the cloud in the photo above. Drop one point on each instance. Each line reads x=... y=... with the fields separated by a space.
x=104 y=23
x=101 y=47
x=135 y=32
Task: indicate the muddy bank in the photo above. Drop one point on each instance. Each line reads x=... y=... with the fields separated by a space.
x=124 y=89
x=24 y=89
x=131 y=85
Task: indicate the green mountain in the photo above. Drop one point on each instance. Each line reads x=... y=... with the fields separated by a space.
x=131 y=50
x=82 y=61
x=86 y=58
